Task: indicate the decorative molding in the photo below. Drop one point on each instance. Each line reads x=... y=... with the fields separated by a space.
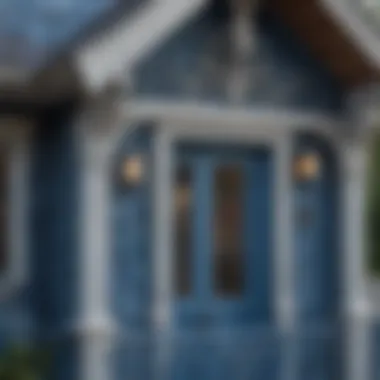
x=242 y=38
x=242 y=46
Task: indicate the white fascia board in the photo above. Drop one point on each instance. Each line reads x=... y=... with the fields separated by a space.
x=111 y=54
x=356 y=27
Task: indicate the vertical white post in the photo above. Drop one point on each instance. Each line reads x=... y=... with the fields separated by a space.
x=95 y=324
x=357 y=308
x=162 y=254
x=284 y=252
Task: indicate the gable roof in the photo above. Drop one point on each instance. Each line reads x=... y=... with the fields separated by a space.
x=109 y=47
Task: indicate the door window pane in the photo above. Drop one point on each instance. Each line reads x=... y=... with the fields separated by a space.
x=183 y=207
x=228 y=227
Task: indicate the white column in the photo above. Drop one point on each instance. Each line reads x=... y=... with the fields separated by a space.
x=162 y=253
x=284 y=265
x=95 y=143
x=162 y=214
x=356 y=306
x=284 y=255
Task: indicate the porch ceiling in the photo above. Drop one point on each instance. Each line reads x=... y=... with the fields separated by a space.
x=327 y=40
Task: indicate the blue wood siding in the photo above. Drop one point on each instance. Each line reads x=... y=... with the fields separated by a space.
x=317 y=235
x=55 y=262
x=132 y=237
x=132 y=273
x=283 y=74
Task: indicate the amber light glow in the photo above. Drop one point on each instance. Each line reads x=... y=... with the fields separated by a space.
x=133 y=170
x=307 y=167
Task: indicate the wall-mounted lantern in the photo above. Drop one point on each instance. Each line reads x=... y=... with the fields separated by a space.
x=133 y=170
x=307 y=167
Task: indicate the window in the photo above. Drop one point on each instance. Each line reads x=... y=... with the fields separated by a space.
x=228 y=227
x=183 y=205
x=220 y=204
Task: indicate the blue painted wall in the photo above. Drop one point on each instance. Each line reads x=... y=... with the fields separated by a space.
x=317 y=234
x=131 y=259
x=54 y=227
x=132 y=236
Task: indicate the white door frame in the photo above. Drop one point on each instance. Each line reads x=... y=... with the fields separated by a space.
x=280 y=143
x=248 y=133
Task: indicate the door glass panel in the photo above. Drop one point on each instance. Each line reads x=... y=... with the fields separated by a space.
x=183 y=206
x=228 y=230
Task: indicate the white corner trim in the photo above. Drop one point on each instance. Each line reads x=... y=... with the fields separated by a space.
x=15 y=134
x=364 y=38
x=117 y=50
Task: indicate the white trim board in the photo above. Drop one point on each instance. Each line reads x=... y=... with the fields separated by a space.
x=361 y=34
x=109 y=56
x=195 y=115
